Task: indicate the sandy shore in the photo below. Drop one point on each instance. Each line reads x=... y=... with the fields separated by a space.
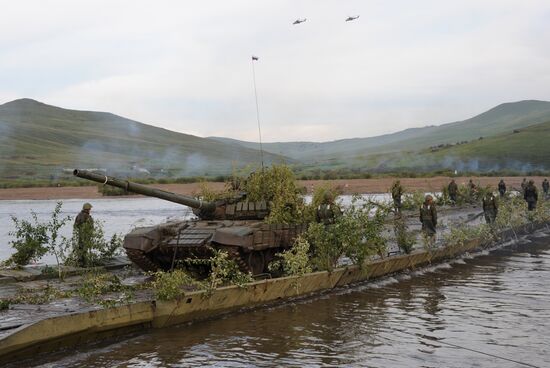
x=351 y=186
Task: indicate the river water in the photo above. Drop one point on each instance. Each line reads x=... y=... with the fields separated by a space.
x=492 y=310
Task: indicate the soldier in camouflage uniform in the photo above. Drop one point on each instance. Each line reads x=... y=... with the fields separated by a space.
x=523 y=186
x=428 y=218
x=83 y=225
x=501 y=188
x=531 y=195
x=545 y=187
x=396 y=193
x=490 y=207
x=328 y=210
x=453 y=190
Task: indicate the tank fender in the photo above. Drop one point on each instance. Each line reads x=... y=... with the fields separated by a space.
x=144 y=239
x=242 y=236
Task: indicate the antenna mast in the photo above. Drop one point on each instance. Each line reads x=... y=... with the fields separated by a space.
x=255 y=58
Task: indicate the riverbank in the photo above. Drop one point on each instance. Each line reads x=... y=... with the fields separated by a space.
x=348 y=186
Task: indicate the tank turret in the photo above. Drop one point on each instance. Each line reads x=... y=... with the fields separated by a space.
x=234 y=225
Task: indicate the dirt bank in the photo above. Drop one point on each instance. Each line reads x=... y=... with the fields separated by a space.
x=350 y=186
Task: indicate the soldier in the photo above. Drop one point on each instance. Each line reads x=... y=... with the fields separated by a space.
x=531 y=195
x=545 y=187
x=523 y=185
x=83 y=225
x=501 y=188
x=428 y=218
x=453 y=190
x=328 y=210
x=472 y=191
x=490 y=207
x=396 y=193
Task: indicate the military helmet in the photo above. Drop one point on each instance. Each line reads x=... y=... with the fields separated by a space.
x=328 y=197
x=87 y=206
x=531 y=182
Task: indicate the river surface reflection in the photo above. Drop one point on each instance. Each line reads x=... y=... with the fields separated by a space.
x=489 y=311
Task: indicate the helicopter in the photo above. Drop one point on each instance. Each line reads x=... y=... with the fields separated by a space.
x=349 y=19
x=298 y=21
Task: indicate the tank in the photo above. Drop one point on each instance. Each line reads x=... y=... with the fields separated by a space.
x=233 y=224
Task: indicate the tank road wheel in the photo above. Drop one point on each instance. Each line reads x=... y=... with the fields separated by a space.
x=142 y=260
x=256 y=262
x=235 y=255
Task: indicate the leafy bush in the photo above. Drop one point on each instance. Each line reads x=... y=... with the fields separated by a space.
x=413 y=200
x=34 y=239
x=277 y=186
x=294 y=261
x=96 y=287
x=356 y=234
x=404 y=238
x=96 y=284
x=30 y=242
x=95 y=248
x=170 y=285
x=38 y=296
x=224 y=270
x=460 y=235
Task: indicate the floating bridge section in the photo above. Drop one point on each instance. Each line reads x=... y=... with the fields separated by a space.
x=77 y=328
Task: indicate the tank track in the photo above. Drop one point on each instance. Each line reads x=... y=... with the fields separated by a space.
x=141 y=260
x=235 y=255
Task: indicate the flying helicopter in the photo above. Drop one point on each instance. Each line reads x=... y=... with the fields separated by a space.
x=298 y=21
x=349 y=19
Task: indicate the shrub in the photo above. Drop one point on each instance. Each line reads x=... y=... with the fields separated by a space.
x=30 y=242
x=356 y=234
x=34 y=239
x=294 y=261
x=404 y=238
x=95 y=248
x=170 y=285
x=277 y=186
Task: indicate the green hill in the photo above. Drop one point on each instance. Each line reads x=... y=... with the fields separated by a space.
x=501 y=119
x=525 y=149
x=39 y=140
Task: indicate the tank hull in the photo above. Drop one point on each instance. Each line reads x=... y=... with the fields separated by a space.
x=252 y=244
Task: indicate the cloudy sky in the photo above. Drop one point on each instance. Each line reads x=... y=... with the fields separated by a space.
x=186 y=65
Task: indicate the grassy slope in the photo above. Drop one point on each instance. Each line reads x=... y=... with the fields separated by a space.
x=501 y=119
x=527 y=150
x=40 y=139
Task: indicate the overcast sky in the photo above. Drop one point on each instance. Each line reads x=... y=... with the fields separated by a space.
x=186 y=65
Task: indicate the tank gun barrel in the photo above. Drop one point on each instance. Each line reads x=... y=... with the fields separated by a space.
x=145 y=190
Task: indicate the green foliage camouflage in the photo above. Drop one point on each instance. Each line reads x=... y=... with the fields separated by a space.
x=357 y=234
x=277 y=186
x=171 y=285
x=294 y=261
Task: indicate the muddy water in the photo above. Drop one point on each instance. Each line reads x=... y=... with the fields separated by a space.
x=489 y=311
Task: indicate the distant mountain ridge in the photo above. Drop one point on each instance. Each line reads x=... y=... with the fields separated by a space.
x=498 y=120
x=38 y=140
